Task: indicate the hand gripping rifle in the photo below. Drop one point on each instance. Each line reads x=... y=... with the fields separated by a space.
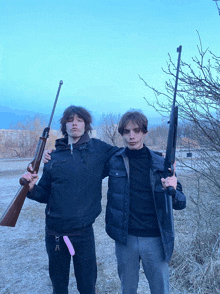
x=172 y=135
x=11 y=214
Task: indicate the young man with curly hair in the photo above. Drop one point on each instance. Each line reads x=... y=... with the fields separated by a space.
x=71 y=188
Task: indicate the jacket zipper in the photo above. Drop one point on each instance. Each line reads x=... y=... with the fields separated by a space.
x=71 y=148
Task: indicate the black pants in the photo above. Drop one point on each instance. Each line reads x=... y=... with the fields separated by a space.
x=84 y=262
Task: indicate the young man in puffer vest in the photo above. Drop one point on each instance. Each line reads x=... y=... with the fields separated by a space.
x=136 y=214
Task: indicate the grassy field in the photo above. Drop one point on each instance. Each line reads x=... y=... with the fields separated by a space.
x=23 y=258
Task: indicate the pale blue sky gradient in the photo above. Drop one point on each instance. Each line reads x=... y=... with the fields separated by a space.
x=98 y=48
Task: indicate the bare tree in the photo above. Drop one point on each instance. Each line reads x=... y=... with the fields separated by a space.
x=198 y=99
x=216 y=2
x=108 y=128
x=157 y=137
x=24 y=136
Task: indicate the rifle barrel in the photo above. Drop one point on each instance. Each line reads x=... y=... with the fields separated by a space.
x=179 y=49
x=54 y=106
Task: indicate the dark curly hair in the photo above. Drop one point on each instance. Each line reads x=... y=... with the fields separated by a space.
x=70 y=112
x=136 y=117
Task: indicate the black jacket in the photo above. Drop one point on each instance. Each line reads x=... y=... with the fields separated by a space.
x=117 y=210
x=71 y=184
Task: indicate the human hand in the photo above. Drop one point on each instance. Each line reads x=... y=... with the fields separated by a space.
x=170 y=181
x=30 y=178
x=46 y=155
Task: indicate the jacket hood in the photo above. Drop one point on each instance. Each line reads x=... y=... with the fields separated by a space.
x=63 y=142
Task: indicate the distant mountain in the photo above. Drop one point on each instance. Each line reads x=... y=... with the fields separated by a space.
x=9 y=117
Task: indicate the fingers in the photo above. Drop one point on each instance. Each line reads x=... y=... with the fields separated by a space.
x=34 y=175
x=27 y=176
x=46 y=156
x=31 y=178
x=44 y=160
x=169 y=181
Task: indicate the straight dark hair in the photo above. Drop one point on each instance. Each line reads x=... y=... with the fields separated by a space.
x=76 y=110
x=136 y=117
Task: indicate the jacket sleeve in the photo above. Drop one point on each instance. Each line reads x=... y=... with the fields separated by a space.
x=109 y=151
x=105 y=172
x=41 y=192
x=179 y=201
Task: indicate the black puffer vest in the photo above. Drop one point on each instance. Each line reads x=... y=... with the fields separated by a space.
x=117 y=210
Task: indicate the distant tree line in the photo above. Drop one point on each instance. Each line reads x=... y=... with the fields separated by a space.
x=22 y=138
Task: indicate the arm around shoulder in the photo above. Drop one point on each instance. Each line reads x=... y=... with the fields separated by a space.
x=108 y=149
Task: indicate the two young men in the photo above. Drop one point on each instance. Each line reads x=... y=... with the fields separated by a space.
x=136 y=216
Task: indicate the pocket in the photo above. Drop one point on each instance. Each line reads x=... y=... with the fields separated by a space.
x=117 y=182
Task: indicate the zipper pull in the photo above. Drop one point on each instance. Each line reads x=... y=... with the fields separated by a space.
x=71 y=148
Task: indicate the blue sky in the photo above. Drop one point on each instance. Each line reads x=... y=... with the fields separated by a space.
x=98 y=48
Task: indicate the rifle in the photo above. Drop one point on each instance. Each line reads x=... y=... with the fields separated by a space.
x=172 y=135
x=11 y=214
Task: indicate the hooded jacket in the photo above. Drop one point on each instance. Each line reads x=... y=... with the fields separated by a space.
x=71 y=184
x=117 y=210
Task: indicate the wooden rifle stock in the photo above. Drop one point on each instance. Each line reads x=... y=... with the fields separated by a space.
x=11 y=214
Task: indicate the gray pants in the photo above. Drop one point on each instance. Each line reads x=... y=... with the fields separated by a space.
x=150 y=251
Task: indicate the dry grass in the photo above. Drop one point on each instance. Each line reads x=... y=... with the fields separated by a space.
x=196 y=259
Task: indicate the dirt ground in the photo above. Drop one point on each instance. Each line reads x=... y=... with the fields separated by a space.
x=23 y=258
